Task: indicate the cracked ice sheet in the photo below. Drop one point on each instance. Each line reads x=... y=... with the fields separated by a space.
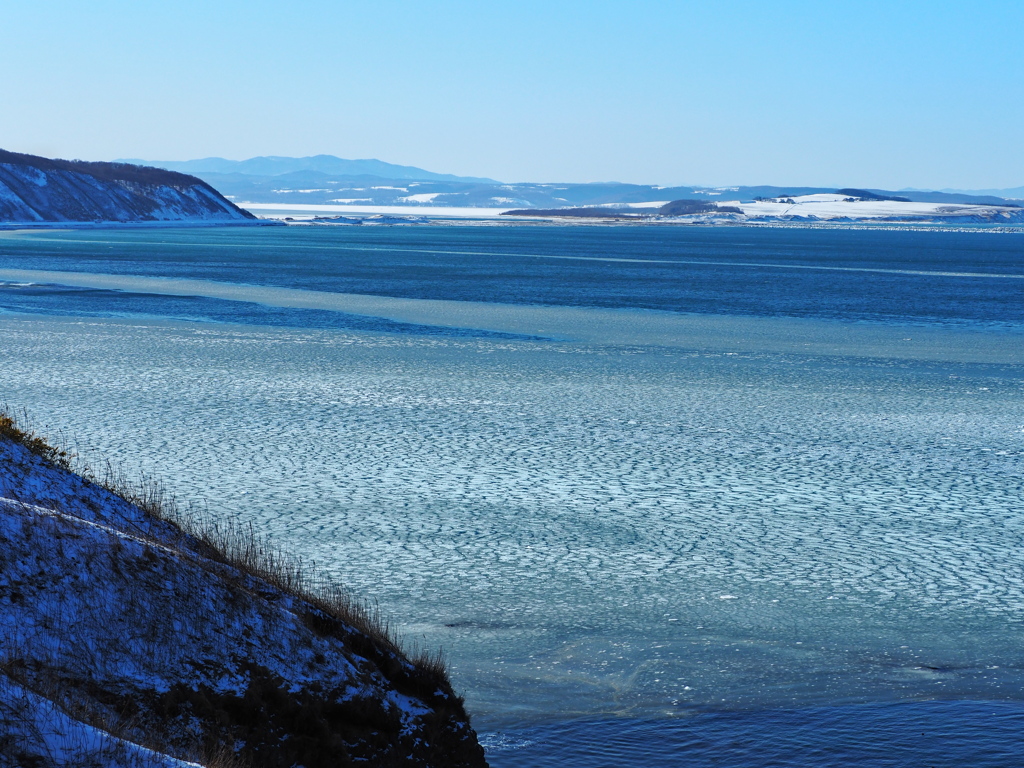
x=588 y=528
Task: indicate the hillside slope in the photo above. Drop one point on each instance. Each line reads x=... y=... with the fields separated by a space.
x=37 y=189
x=125 y=641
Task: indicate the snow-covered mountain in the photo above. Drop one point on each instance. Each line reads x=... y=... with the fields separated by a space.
x=35 y=189
x=127 y=641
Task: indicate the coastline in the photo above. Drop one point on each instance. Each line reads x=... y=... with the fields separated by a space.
x=281 y=214
x=318 y=215
x=30 y=226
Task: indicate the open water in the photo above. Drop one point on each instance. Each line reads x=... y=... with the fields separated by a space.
x=666 y=496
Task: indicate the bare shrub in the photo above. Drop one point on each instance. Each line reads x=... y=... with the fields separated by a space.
x=13 y=427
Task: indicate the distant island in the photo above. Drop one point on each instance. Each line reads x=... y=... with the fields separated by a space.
x=38 y=190
x=673 y=208
x=845 y=206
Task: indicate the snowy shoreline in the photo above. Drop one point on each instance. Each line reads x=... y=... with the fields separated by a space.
x=26 y=226
x=809 y=211
x=12 y=228
x=304 y=216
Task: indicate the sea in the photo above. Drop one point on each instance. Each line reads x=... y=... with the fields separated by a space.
x=664 y=495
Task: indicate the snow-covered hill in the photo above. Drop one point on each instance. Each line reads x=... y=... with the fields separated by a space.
x=126 y=642
x=832 y=208
x=36 y=189
x=839 y=208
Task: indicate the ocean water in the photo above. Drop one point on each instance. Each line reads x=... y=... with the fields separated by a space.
x=664 y=495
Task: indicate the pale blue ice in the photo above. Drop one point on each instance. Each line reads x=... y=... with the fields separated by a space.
x=598 y=528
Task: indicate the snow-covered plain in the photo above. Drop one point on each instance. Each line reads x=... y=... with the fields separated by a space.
x=808 y=208
x=281 y=210
x=827 y=207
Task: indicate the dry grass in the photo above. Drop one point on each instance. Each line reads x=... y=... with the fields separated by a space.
x=13 y=428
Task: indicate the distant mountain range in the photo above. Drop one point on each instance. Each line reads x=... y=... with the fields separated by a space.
x=328 y=165
x=329 y=180
x=1015 y=193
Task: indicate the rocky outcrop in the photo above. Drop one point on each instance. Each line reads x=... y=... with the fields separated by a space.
x=127 y=641
x=37 y=189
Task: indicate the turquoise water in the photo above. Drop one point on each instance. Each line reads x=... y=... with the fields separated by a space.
x=664 y=496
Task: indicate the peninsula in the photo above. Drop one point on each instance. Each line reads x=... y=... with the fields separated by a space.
x=40 y=191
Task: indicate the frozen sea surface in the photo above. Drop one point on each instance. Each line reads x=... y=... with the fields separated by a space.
x=606 y=536
x=648 y=529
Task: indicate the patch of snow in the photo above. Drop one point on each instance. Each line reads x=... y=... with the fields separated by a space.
x=34 y=727
x=424 y=197
x=823 y=197
x=280 y=210
x=649 y=204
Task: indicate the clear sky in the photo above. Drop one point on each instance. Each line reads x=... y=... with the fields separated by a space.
x=877 y=94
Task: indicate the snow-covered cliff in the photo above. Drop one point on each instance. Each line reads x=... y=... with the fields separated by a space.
x=36 y=189
x=126 y=642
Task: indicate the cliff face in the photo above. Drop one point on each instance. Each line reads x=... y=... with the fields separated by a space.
x=125 y=641
x=37 y=189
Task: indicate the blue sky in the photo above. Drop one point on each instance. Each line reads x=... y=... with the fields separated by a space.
x=893 y=94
